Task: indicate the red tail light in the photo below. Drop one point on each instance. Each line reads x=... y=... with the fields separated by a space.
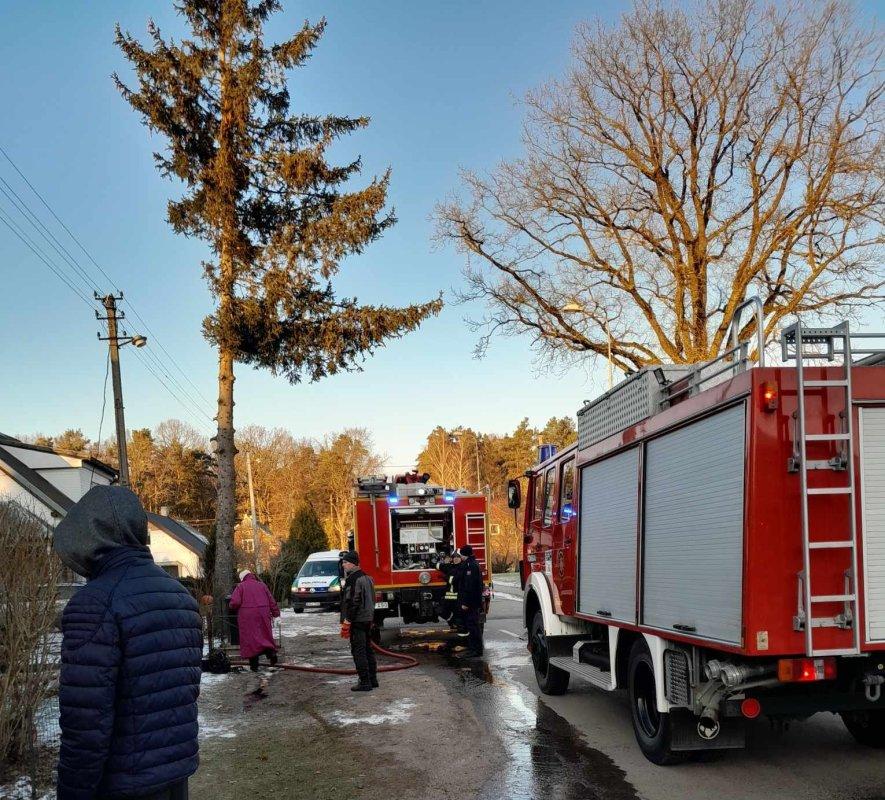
x=804 y=670
x=768 y=396
x=751 y=708
x=379 y=596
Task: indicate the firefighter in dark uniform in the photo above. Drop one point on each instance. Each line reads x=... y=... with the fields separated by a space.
x=357 y=613
x=470 y=590
x=450 y=567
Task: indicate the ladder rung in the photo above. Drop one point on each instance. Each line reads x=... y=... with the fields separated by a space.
x=831 y=545
x=826 y=437
x=815 y=384
x=832 y=598
x=831 y=490
x=837 y=652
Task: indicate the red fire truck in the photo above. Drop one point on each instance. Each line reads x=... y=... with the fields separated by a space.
x=714 y=543
x=402 y=528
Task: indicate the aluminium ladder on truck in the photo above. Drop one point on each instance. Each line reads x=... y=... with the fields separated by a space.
x=820 y=344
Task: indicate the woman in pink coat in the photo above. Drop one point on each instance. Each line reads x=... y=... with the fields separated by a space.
x=255 y=608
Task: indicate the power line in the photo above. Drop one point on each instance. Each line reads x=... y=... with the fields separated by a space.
x=147 y=365
x=38 y=225
x=104 y=402
x=23 y=209
x=9 y=223
x=100 y=269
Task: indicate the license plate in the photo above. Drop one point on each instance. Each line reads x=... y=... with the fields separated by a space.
x=311 y=604
x=385 y=604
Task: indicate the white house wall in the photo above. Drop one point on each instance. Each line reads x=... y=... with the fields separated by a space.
x=10 y=490
x=167 y=550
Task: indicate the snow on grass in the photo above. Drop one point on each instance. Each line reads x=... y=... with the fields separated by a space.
x=208 y=679
x=215 y=729
x=20 y=789
x=398 y=712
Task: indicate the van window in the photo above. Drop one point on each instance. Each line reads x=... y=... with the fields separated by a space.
x=549 y=480
x=567 y=491
x=317 y=569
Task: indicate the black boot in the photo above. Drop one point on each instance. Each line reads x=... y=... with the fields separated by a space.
x=272 y=657
x=361 y=687
x=373 y=680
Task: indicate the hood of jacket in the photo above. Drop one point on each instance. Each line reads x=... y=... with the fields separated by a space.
x=104 y=519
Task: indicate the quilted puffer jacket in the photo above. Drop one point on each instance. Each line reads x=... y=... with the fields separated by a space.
x=131 y=650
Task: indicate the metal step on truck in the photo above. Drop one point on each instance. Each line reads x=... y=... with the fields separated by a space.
x=714 y=543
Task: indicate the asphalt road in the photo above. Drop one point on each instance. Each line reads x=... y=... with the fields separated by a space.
x=813 y=759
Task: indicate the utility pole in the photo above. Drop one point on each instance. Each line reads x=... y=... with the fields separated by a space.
x=256 y=545
x=115 y=341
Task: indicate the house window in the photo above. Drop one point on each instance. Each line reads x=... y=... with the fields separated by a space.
x=172 y=569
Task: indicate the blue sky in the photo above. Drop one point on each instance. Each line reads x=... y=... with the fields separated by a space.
x=441 y=82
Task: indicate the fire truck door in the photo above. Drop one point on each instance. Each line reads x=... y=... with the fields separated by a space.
x=542 y=525
x=564 y=535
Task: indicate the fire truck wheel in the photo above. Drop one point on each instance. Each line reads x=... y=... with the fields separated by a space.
x=652 y=729
x=867 y=727
x=551 y=680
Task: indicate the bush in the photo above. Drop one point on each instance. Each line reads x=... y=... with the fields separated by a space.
x=29 y=574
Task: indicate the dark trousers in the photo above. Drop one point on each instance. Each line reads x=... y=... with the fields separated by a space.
x=474 y=634
x=361 y=650
x=271 y=656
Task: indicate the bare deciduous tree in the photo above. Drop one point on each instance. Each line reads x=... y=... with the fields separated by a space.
x=28 y=591
x=691 y=157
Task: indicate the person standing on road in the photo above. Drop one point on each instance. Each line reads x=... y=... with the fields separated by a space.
x=357 y=615
x=470 y=591
x=132 y=642
x=256 y=610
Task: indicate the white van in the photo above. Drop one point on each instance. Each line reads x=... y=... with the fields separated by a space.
x=318 y=584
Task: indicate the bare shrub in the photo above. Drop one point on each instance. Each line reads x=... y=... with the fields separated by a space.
x=28 y=605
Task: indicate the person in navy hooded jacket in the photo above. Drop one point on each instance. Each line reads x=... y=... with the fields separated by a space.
x=130 y=659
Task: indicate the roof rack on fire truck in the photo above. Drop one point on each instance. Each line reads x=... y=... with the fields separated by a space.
x=653 y=388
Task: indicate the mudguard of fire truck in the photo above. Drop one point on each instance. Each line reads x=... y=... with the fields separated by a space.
x=539 y=597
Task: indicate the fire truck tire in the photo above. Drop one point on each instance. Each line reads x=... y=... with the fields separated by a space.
x=652 y=729
x=551 y=680
x=867 y=727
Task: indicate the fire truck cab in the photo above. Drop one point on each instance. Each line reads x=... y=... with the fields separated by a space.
x=402 y=529
x=714 y=544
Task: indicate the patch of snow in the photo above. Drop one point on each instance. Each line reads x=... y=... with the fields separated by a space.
x=211 y=679
x=398 y=712
x=46 y=721
x=506 y=596
x=215 y=730
x=20 y=789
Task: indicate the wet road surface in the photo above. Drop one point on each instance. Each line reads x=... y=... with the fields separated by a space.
x=580 y=746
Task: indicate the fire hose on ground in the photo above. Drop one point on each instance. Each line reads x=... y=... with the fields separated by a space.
x=407 y=663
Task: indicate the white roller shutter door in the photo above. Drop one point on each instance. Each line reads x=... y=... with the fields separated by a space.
x=872 y=443
x=609 y=509
x=694 y=528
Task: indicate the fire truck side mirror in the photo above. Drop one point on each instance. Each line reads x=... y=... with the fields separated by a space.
x=514 y=494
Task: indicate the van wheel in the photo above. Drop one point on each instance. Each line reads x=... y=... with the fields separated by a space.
x=867 y=727
x=551 y=680
x=652 y=728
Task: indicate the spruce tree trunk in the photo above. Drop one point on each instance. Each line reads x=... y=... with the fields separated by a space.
x=226 y=507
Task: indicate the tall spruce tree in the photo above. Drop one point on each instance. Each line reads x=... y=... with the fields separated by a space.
x=277 y=215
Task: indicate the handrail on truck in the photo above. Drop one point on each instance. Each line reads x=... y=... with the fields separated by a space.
x=737 y=356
